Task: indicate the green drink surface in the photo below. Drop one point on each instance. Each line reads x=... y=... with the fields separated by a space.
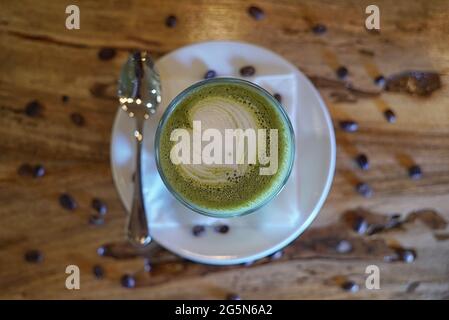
x=226 y=190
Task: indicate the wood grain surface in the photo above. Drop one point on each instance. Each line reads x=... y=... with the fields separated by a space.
x=41 y=60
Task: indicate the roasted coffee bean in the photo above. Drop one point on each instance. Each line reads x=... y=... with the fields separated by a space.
x=38 y=171
x=171 y=21
x=101 y=251
x=247 y=71
x=277 y=255
x=222 y=228
x=364 y=189
x=415 y=172
x=25 y=170
x=278 y=97
x=34 y=109
x=128 y=281
x=65 y=98
x=319 y=28
x=350 y=286
x=99 y=206
x=360 y=225
x=407 y=255
x=67 y=202
x=98 y=271
x=210 y=74
x=380 y=80
x=198 y=230
x=342 y=72
x=233 y=296
x=349 y=125
x=33 y=256
x=343 y=246
x=390 y=116
x=256 y=12
x=96 y=220
x=77 y=119
x=362 y=161
x=147 y=265
x=106 y=53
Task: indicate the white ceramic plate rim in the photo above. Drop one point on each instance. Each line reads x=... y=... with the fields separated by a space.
x=331 y=170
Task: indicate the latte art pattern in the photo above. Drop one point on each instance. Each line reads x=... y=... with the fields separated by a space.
x=222 y=114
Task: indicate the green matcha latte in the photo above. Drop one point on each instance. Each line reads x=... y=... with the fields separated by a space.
x=244 y=174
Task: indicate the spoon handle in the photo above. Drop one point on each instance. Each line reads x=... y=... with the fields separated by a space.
x=137 y=229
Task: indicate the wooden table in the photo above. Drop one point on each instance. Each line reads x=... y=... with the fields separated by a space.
x=42 y=60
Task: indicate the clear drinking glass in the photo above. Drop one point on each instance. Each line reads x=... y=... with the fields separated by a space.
x=255 y=89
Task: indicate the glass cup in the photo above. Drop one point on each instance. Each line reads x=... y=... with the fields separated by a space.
x=255 y=89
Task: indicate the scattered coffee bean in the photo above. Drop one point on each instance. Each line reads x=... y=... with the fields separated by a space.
x=415 y=172
x=342 y=72
x=362 y=161
x=101 y=251
x=106 y=53
x=171 y=21
x=96 y=220
x=67 y=202
x=390 y=116
x=65 y=98
x=222 y=228
x=99 y=206
x=380 y=80
x=349 y=125
x=210 y=74
x=38 y=171
x=350 y=286
x=25 y=170
x=128 y=281
x=277 y=255
x=343 y=246
x=256 y=12
x=77 y=119
x=147 y=265
x=407 y=255
x=364 y=189
x=198 y=230
x=247 y=71
x=33 y=256
x=233 y=296
x=360 y=225
x=34 y=109
x=319 y=28
x=278 y=97
x=98 y=271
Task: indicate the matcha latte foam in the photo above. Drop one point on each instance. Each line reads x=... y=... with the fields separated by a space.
x=213 y=171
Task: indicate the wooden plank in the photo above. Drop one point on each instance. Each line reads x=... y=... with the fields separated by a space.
x=41 y=60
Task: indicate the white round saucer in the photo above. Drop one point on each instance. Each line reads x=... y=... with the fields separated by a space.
x=275 y=225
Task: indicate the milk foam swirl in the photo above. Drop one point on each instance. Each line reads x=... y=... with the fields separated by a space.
x=219 y=113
